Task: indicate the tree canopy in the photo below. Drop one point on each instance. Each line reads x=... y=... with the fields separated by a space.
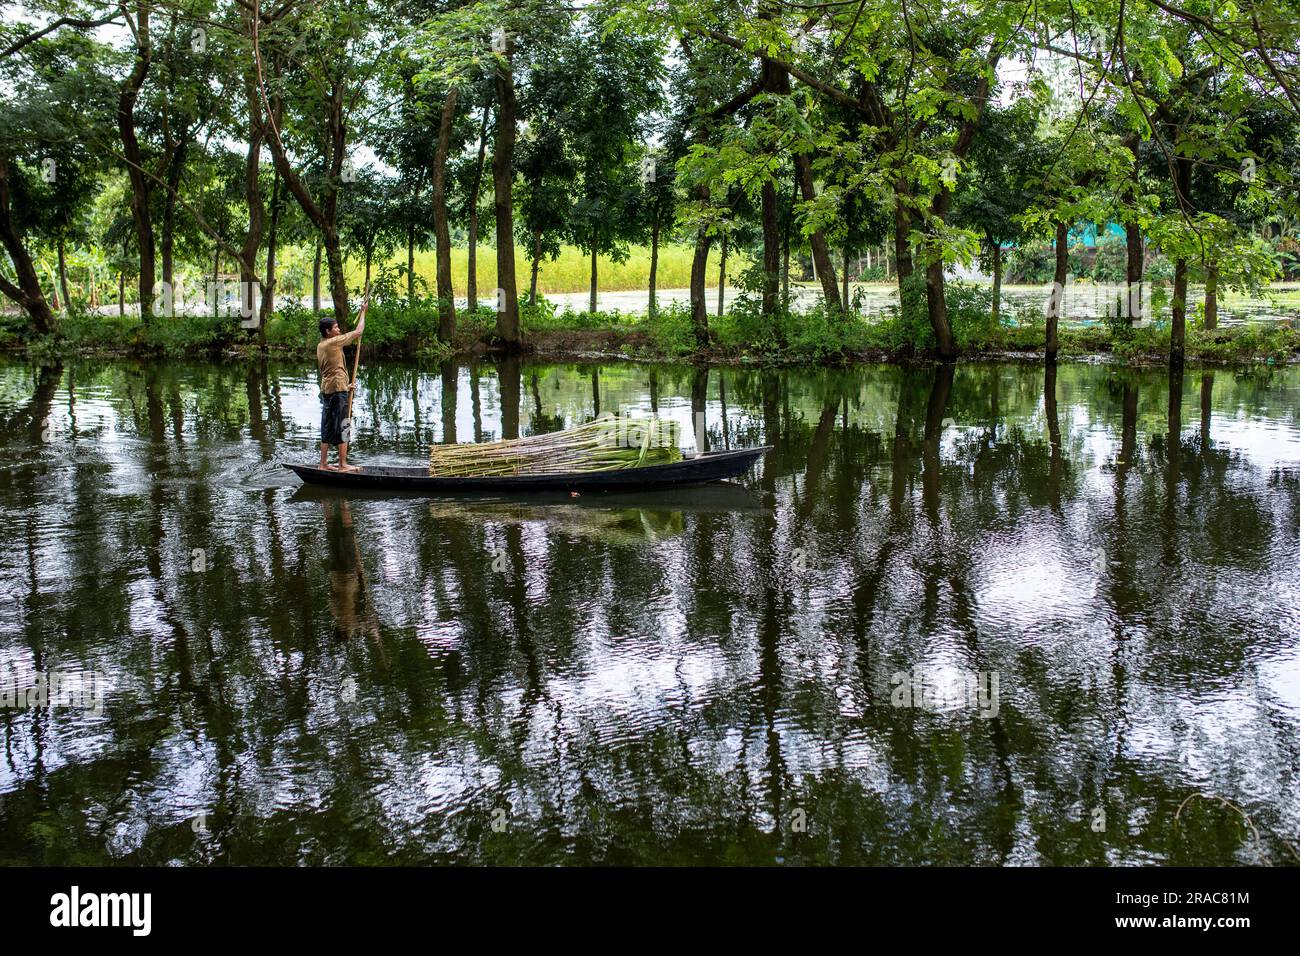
x=941 y=132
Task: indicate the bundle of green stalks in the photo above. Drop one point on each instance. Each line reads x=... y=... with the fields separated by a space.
x=606 y=444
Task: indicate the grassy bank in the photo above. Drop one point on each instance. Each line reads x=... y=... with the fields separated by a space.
x=741 y=335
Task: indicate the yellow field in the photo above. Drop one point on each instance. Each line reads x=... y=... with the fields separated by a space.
x=571 y=272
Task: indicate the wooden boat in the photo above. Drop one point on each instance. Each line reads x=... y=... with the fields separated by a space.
x=691 y=470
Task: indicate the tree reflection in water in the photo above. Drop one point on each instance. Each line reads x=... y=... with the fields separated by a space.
x=702 y=676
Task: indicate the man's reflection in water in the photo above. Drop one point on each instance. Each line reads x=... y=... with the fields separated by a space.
x=350 y=603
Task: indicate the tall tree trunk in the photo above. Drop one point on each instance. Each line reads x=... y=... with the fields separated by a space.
x=821 y=251
x=441 y=228
x=902 y=247
x=936 y=299
x=537 y=262
x=28 y=292
x=315 y=279
x=337 y=276
x=785 y=269
x=653 y=307
x=779 y=82
x=141 y=189
x=1178 y=322
x=936 y=303
x=996 y=320
x=594 y=237
x=699 y=268
x=63 y=277
x=175 y=168
x=771 y=250
x=410 y=265
x=502 y=184
x=722 y=277
x=475 y=186
x=785 y=246
x=1135 y=258
x=324 y=214
x=846 y=277
x=1056 y=305
x=272 y=245
x=774 y=80
x=249 y=300
x=1211 y=296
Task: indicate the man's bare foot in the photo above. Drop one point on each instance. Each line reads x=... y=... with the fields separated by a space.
x=349 y=467
x=328 y=467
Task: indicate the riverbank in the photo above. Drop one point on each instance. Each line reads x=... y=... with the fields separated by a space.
x=737 y=337
x=1238 y=347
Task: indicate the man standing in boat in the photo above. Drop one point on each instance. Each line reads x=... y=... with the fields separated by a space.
x=334 y=389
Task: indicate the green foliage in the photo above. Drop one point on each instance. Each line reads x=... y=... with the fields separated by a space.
x=891 y=108
x=818 y=334
x=392 y=326
x=746 y=326
x=179 y=334
x=1259 y=343
x=969 y=309
x=906 y=331
x=81 y=329
x=822 y=334
x=293 y=326
x=1031 y=263
x=671 y=329
x=815 y=335
x=913 y=330
x=537 y=315
x=543 y=316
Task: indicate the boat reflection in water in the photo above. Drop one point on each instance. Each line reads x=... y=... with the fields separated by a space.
x=613 y=517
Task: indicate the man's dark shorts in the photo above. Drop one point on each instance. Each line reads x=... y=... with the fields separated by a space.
x=333 y=413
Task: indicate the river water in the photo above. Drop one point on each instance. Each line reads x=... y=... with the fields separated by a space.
x=996 y=616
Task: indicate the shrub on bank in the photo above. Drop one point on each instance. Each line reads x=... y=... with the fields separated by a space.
x=390 y=326
x=543 y=316
x=816 y=335
x=671 y=330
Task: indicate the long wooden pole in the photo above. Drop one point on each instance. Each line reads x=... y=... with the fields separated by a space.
x=356 y=361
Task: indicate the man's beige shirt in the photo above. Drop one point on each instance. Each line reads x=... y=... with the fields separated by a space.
x=329 y=359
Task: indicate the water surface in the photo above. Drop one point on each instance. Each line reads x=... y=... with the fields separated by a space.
x=996 y=616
